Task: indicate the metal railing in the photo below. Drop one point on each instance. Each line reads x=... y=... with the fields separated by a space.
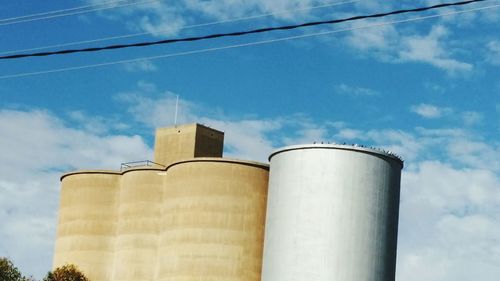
x=143 y=163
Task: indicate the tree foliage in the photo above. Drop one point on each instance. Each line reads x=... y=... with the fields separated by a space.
x=67 y=272
x=8 y=272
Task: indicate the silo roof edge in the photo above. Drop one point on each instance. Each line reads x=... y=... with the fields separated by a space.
x=188 y=160
x=221 y=160
x=358 y=148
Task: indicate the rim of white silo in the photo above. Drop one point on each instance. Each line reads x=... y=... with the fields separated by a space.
x=356 y=148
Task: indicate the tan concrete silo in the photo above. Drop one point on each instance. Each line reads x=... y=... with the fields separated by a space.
x=138 y=224
x=87 y=222
x=213 y=217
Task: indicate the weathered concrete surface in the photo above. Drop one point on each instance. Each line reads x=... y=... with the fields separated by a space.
x=197 y=220
x=213 y=223
x=185 y=142
x=139 y=211
x=87 y=223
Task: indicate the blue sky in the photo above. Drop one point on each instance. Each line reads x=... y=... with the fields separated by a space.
x=428 y=90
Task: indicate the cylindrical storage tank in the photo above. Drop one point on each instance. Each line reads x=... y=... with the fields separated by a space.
x=139 y=208
x=332 y=214
x=213 y=218
x=87 y=222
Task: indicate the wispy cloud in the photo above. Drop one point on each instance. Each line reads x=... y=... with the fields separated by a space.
x=493 y=52
x=430 y=111
x=391 y=45
x=432 y=49
x=355 y=91
x=169 y=18
x=472 y=118
x=140 y=66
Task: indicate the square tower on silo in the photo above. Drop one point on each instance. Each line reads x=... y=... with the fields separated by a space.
x=185 y=142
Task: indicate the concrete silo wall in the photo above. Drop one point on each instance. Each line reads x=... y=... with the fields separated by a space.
x=212 y=223
x=197 y=220
x=332 y=214
x=139 y=206
x=87 y=223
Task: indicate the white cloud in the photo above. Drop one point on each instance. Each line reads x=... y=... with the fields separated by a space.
x=400 y=142
x=302 y=131
x=163 y=21
x=248 y=138
x=157 y=109
x=169 y=18
x=97 y=125
x=355 y=91
x=349 y=134
x=435 y=87
x=380 y=41
x=245 y=138
x=472 y=117
x=474 y=153
x=449 y=224
x=430 y=49
x=159 y=18
x=430 y=111
x=493 y=52
x=389 y=44
x=36 y=148
x=227 y=9
x=143 y=66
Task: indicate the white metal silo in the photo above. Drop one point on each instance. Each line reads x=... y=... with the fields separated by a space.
x=332 y=214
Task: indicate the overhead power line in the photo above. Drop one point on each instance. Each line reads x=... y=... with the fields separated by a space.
x=238 y=33
x=55 y=14
x=262 y=42
x=231 y=20
x=63 y=10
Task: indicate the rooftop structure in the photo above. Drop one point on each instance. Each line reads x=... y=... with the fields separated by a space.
x=185 y=142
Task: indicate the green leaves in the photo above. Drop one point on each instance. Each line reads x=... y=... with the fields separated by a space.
x=68 y=272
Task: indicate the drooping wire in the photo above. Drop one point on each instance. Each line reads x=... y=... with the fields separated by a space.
x=238 y=33
x=245 y=44
x=182 y=28
x=50 y=15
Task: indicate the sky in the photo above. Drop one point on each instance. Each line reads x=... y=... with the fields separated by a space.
x=428 y=90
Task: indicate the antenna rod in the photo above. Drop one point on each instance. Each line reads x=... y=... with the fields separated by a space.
x=176 y=110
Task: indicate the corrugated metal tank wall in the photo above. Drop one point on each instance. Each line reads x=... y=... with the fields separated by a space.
x=139 y=210
x=87 y=223
x=332 y=214
x=212 y=223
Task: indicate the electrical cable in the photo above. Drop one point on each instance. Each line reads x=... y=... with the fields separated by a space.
x=63 y=10
x=182 y=28
x=238 y=33
x=18 y=75
x=78 y=12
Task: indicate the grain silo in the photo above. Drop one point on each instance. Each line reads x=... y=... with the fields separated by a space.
x=332 y=214
x=191 y=216
x=87 y=222
x=212 y=220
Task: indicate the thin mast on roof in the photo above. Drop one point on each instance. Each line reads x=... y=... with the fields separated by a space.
x=176 y=110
